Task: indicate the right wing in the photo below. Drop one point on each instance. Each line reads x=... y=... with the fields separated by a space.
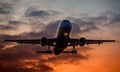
x=98 y=41
x=82 y=41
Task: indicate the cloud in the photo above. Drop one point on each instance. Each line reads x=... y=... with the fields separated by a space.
x=12 y=69
x=38 y=13
x=14 y=27
x=36 y=22
x=24 y=58
x=79 y=25
x=45 y=68
x=41 y=14
x=3 y=27
x=14 y=57
x=6 y=11
x=5 y=8
x=86 y=26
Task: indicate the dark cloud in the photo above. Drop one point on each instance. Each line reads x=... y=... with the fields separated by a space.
x=45 y=68
x=15 y=22
x=81 y=26
x=38 y=13
x=13 y=59
x=5 y=8
x=4 y=36
x=52 y=27
x=78 y=26
x=75 y=29
x=16 y=69
x=8 y=27
x=13 y=56
x=32 y=12
x=6 y=11
x=67 y=58
x=10 y=61
x=115 y=19
x=106 y=18
x=11 y=25
x=38 y=35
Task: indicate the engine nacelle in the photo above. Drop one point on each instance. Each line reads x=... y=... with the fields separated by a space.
x=82 y=41
x=44 y=41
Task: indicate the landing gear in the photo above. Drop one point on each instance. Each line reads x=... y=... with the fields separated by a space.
x=74 y=51
x=49 y=51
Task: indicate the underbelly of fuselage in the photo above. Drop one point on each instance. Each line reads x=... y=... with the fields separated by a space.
x=60 y=47
x=57 y=51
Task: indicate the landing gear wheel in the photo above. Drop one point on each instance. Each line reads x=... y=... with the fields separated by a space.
x=74 y=51
x=49 y=51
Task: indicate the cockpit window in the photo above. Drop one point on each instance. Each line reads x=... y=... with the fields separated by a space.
x=66 y=21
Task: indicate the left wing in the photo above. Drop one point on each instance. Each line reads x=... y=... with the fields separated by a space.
x=26 y=41
x=44 y=41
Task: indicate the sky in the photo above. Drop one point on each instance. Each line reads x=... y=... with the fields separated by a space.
x=34 y=19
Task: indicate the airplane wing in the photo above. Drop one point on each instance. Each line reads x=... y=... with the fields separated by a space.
x=52 y=41
x=26 y=41
x=44 y=41
x=82 y=41
x=98 y=41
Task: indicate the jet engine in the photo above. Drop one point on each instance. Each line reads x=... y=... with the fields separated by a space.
x=82 y=41
x=44 y=41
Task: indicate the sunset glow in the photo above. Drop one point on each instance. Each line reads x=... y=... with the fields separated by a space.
x=34 y=19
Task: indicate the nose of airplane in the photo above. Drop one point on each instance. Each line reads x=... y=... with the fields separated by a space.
x=66 y=23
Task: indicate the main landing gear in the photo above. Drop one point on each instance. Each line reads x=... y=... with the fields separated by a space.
x=48 y=51
x=73 y=51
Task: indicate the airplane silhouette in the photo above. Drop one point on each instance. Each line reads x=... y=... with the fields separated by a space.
x=62 y=41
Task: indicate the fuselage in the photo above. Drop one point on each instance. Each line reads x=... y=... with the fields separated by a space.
x=62 y=37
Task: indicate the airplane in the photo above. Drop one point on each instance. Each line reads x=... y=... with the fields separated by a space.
x=62 y=41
